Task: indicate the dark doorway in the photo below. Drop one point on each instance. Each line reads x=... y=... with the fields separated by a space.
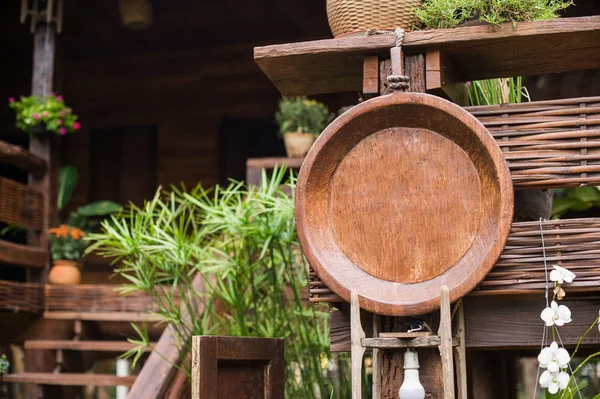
x=123 y=164
x=240 y=139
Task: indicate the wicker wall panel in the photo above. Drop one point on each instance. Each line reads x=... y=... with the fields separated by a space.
x=21 y=205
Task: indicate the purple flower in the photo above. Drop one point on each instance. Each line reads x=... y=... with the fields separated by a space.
x=59 y=98
x=63 y=131
x=76 y=125
x=36 y=116
x=11 y=100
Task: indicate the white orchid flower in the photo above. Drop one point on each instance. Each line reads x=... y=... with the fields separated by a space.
x=554 y=358
x=561 y=275
x=556 y=315
x=554 y=381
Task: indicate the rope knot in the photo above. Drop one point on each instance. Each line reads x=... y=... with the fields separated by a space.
x=398 y=82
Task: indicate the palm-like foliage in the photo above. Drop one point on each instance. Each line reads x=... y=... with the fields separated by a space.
x=243 y=242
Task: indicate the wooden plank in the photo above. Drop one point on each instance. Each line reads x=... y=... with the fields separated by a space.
x=518 y=315
x=102 y=316
x=442 y=78
x=237 y=367
x=21 y=158
x=399 y=343
x=370 y=75
x=254 y=167
x=69 y=379
x=460 y=355
x=161 y=365
x=487 y=51
x=22 y=255
x=98 y=346
x=270 y=163
x=445 y=334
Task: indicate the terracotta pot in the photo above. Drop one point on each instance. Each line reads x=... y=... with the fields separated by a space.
x=64 y=272
x=298 y=144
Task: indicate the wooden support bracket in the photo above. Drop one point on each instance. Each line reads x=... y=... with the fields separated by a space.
x=460 y=354
x=442 y=80
x=357 y=351
x=370 y=76
x=400 y=340
x=445 y=335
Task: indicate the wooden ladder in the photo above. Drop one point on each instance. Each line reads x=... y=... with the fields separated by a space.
x=60 y=378
x=444 y=340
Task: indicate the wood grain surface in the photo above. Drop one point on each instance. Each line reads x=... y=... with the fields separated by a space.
x=400 y=195
x=478 y=52
x=404 y=173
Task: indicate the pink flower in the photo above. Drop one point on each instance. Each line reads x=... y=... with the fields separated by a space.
x=59 y=98
x=11 y=100
x=53 y=94
x=59 y=121
x=63 y=131
x=36 y=116
x=62 y=113
x=45 y=113
x=76 y=125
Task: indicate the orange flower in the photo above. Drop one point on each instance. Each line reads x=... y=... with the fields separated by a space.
x=65 y=230
x=77 y=233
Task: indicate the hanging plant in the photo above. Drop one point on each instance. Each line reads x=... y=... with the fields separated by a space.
x=39 y=116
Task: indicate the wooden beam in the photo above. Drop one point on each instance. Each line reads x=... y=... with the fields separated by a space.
x=102 y=316
x=22 y=255
x=443 y=80
x=519 y=317
x=69 y=379
x=80 y=345
x=21 y=158
x=480 y=52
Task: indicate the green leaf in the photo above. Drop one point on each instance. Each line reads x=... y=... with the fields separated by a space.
x=99 y=208
x=66 y=185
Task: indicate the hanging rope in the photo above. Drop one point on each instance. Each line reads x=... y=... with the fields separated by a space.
x=399 y=82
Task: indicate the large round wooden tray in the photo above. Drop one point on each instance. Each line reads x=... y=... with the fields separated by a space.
x=400 y=195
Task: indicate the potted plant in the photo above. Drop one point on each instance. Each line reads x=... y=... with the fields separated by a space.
x=4 y=369
x=44 y=116
x=67 y=246
x=300 y=121
x=442 y=14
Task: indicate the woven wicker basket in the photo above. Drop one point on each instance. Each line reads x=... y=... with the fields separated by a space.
x=346 y=16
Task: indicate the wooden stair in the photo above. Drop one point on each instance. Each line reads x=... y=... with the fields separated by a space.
x=69 y=379
x=82 y=345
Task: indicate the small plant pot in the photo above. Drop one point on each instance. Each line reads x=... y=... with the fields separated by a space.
x=298 y=144
x=39 y=130
x=65 y=272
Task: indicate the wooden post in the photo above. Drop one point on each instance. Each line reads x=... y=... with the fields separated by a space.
x=44 y=45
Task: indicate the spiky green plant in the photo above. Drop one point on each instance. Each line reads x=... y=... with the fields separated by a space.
x=243 y=242
x=443 y=14
x=497 y=91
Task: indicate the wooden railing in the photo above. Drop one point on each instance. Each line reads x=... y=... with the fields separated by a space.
x=159 y=378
